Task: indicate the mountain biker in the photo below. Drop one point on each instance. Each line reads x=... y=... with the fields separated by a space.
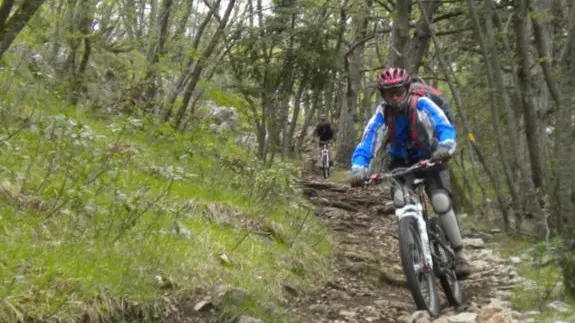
x=324 y=132
x=436 y=141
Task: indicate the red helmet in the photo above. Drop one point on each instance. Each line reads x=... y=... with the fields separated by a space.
x=393 y=77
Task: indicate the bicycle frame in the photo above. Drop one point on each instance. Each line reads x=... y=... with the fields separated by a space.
x=431 y=239
x=415 y=205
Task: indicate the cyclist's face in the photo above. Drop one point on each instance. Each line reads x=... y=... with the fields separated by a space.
x=395 y=96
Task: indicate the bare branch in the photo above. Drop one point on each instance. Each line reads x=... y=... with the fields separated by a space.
x=448 y=15
x=451 y=32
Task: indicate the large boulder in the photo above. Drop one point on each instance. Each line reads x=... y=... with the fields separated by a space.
x=222 y=118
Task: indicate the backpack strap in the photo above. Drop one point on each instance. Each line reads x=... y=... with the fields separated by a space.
x=414 y=94
x=412 y=123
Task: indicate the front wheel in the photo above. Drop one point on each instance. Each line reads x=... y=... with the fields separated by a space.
x=325 y=164
x=445 y=263
x=420 y=279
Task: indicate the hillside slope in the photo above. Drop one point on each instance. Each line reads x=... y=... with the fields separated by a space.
x=114 y=217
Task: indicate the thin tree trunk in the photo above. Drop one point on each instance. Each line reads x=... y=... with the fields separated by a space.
x=353 y=66
x=5 y=10
x=85 y=20
x=200 y=64
x=495 y=80
x=188 y=5
x=287 y=88
x=315 y=102
x=458 y=104
x=156 y=48
x=56 y=35
x=186 y=75
x=295 y=115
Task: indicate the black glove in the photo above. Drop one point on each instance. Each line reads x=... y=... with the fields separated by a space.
x=440 y=155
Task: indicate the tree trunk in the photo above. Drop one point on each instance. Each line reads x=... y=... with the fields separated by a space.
x=495 y=80
x=84 y=22
x=157 y=41
x=200 y=64
x=399 y=34
x=5 y=10
x=353 y=67
x=532 y=125
x=185 y=77
x=419 y=45
x=565 y=150
x=11 y=27
x=458 y=104
x=310 y=112
x=287 y=88
x=288 y=140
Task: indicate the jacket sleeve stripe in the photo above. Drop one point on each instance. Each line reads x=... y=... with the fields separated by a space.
x=365 y=150
x=443 y=129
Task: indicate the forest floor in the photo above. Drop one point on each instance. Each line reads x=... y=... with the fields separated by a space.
x=368 y=283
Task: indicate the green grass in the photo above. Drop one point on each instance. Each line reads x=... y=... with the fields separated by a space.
x=339 y=175
x=109 y=217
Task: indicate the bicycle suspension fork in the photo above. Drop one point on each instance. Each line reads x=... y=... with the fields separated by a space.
x=415 y=210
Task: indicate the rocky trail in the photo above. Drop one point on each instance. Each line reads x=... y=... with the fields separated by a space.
x=368 y=283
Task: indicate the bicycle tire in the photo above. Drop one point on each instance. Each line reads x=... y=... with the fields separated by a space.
x=325 y=163
x=449 y=284
x=408 y=228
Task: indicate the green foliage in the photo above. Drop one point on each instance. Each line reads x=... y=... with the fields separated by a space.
x=123 y=216
x=544 y=267
x=221 y=97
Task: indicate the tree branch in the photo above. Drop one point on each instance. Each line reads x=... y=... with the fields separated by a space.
x=448 y=15
x=451 y=32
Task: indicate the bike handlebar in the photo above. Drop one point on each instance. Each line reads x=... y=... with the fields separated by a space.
x=400 y=171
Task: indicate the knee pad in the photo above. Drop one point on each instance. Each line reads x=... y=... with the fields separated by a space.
x=398 y=198
x=441 y=201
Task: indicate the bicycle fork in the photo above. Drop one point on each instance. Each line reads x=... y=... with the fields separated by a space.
x=415 y=211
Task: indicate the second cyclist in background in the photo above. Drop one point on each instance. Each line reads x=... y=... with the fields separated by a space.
x=325 y=133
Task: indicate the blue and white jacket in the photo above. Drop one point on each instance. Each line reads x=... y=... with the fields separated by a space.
x=433 y=126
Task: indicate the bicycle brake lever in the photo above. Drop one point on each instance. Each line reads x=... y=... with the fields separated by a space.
x=375 y=178
x=427 y=163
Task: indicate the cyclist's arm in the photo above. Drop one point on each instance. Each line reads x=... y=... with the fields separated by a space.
x=365 y=150
x=443 y=129
x=333 y=132
x=330 y=131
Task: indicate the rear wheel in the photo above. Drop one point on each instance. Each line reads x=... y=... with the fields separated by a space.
x=446 y=266
x=420 y=279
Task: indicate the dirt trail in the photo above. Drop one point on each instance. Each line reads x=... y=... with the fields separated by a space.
x=368 y=284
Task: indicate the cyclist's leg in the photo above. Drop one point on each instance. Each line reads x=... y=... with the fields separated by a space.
x=328 y=143
x=440 y=193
